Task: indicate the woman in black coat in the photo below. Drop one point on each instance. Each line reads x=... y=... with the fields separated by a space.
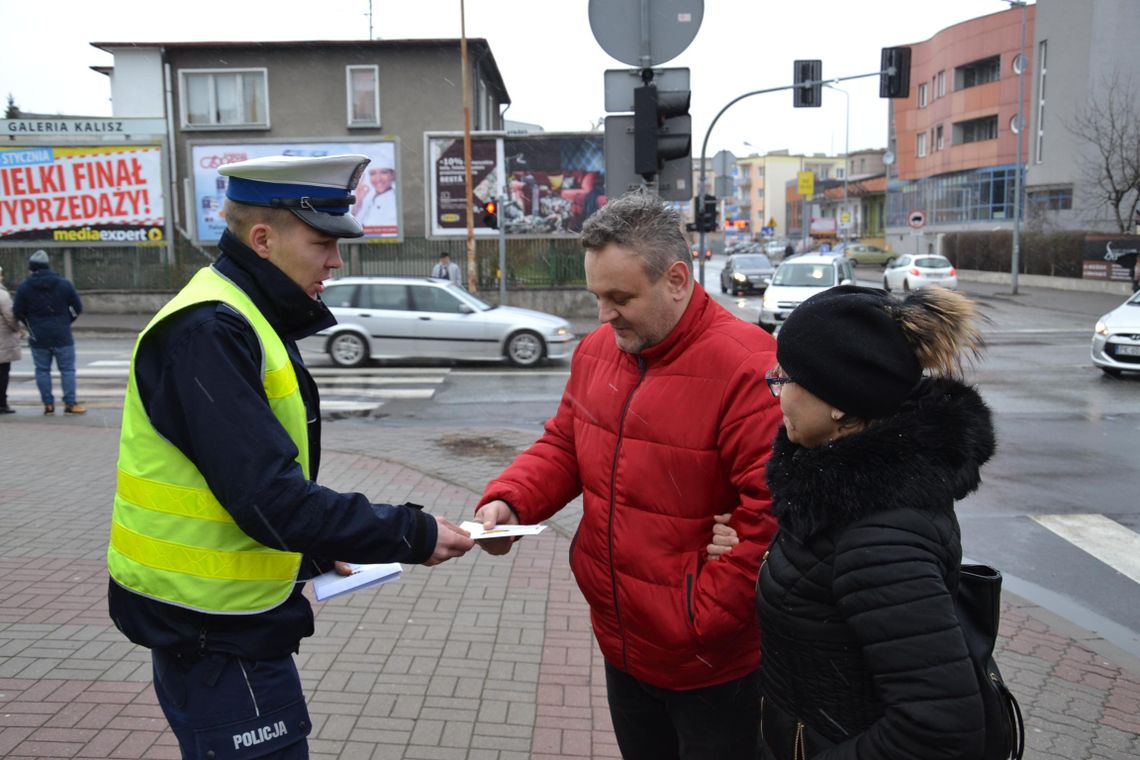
x=862 y=655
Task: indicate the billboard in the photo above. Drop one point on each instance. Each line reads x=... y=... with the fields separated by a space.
x=377 y=196
x=548 y=184
x=88 y=194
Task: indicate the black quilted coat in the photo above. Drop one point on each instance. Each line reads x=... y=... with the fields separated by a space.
x=862 y=655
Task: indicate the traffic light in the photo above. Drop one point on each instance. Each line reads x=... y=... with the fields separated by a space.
x=661 y=128
x=805 y=95
x=705 y=213
x=491 y=215
x=896 y=85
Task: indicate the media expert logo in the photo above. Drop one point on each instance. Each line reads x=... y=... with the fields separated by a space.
x=88 y=235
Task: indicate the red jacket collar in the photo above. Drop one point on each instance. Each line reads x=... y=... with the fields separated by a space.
x=684 y=332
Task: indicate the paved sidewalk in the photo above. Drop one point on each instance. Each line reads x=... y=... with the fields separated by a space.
x=479 y=658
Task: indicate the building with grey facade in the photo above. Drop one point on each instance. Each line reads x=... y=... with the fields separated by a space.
x=222 y=100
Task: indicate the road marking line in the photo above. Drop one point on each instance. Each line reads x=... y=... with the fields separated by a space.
x=377 y=393
x=110 y=363
x=1105 y=539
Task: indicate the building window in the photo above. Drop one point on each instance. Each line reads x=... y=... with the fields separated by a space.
x=977 y=73
x=1053 y=199
x=363 y=84
x=975 y=130
x=941 y=84
x=921 y=146
x=938 y=144
x=1040 y=147
x=978 y=196
x=224 y=99
x=923 y=95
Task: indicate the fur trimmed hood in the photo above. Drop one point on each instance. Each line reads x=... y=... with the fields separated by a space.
x=924 y=456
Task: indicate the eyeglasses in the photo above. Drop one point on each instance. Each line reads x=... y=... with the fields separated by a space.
x=776 y=380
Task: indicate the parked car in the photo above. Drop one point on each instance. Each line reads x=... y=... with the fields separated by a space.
x=796 y=280
x=860 y=254
x=746 y=273
x=1116 y=339
x=909 y=271
x=424 y=317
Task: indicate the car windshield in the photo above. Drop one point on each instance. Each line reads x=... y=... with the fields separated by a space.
x=467 y=298
x=932 y=262
x=801 y=275
x=751 y=261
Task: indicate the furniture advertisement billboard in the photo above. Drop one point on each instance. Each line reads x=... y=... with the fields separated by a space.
x=547 y=185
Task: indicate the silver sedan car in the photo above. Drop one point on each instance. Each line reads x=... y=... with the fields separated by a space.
x=1116 y=339
x=423 y=317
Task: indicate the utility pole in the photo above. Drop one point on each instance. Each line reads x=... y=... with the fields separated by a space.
x=846 y=159
x=467 y=185
x=1017 y=178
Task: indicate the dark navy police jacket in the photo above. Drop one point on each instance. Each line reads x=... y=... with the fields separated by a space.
x=199 y=379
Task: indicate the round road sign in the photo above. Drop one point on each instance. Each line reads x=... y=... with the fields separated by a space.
x=916 y=218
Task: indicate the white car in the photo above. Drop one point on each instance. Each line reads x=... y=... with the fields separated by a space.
x=1116 y=339
x=798 y=279
x=424 y=317
x=910 y=271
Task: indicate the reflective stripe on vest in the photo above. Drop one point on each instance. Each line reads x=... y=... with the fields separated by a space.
x=171 y=539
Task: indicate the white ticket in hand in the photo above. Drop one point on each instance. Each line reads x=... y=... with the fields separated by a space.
x=500 y=531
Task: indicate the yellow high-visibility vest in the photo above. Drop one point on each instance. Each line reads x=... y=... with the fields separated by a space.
x=171 y=539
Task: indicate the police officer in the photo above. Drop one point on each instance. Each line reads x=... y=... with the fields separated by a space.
x=218 y=517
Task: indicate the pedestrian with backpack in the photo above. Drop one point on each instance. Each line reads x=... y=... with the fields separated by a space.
x=863 y=654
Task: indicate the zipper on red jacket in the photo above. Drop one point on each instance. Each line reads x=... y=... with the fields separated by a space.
x=613 y=478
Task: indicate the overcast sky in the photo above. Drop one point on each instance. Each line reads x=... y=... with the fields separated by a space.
x=551 y=63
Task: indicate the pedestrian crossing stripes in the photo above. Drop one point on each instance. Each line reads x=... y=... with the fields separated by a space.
x=102 y=384
x=1103 y=538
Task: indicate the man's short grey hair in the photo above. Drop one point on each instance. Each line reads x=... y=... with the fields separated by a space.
x=641 y=222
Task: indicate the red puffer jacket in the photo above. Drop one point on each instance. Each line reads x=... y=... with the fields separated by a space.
x=659 y=444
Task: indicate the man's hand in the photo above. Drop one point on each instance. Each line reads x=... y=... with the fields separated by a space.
x=494 y=513
x=342 y=568
x=723 y=537
x=451 y=541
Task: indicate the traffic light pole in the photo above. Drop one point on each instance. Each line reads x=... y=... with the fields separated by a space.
x=705 y=144
x=500 y=209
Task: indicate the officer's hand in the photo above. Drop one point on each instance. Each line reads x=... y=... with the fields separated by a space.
x=342 y=568
x=723 y=537
x=494 y=513
x=451 y=541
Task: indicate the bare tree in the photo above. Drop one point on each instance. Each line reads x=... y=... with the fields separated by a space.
x=1111 y=128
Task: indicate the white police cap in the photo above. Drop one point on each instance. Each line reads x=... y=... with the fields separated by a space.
x=316 y=189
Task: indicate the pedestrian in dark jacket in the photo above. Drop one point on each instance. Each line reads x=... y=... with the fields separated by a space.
x=863 y=655
x=862 y=652
x=48 y=304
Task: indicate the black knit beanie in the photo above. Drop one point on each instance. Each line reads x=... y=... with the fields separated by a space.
x=844 y=347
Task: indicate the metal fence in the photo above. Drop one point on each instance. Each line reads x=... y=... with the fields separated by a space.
x=531 y=263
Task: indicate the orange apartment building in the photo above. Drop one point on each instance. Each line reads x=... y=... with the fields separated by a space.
x=952 y=138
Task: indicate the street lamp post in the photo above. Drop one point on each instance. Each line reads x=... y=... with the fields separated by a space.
x=1017 y=177
x=846 y=147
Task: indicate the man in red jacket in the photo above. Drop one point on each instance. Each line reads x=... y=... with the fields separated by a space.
x=665 y=422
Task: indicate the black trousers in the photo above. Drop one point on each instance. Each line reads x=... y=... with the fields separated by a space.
x=5 y=370
x=719 y=722
x=224 y=707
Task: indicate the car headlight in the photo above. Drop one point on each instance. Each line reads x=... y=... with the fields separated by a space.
x=1101 y=328
x=739 y=276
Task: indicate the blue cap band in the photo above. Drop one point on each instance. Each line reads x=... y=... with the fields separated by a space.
x=258 y=193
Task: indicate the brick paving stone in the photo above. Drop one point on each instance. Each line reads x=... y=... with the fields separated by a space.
x=485 y=657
